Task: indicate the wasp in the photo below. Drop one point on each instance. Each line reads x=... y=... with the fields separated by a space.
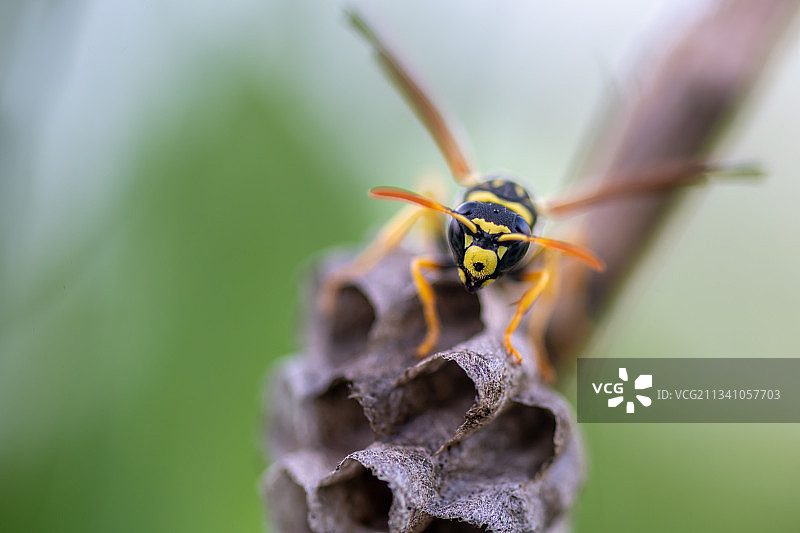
x=491 y=232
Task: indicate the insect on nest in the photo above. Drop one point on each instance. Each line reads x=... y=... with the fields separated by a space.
x=490 y=234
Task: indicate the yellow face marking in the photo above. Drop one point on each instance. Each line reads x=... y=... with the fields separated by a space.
x=462 y=275
x=479 y=262
x=490 y=227
x=501 y=251
x=498 y=183
x=467 y=240
x=519 y=190
x=487 y=283
x=486 y=196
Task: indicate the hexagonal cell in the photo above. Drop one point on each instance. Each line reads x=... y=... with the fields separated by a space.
x=527 y=435
x=357 y=501
x=513 y=447
x=403 y=325
x=442 y=393
x=341 y=424
x=288 y=504
x=349 y=326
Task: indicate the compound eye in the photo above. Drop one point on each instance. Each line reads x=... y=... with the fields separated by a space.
x=455 y=238
x=520 y=226
x=467 y=208
x=515 y=250
x=456 y=232
x=513 y=255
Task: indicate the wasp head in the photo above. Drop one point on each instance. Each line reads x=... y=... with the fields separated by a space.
x=481 y=258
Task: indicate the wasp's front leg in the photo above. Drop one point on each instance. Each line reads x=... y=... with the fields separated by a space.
x=428 y=300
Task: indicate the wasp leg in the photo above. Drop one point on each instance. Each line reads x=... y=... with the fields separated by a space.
x=388 y=238
x=428 y=300
x=540 y=316
x=541 y=279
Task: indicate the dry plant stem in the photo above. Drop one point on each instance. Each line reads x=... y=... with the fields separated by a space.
x=684 y=102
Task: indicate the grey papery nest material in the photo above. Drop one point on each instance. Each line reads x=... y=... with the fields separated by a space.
x=367 y=437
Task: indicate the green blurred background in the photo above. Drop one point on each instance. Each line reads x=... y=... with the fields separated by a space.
x=170 y=169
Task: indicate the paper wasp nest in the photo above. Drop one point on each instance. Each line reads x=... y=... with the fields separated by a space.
x=367 y=437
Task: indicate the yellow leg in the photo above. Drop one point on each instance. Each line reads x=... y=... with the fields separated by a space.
x=540 y=279
x=428 y=300
x=540 y=316
x=388 y=238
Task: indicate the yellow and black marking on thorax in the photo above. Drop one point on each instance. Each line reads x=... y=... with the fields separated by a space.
x=506 y=193
x=495 y=207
